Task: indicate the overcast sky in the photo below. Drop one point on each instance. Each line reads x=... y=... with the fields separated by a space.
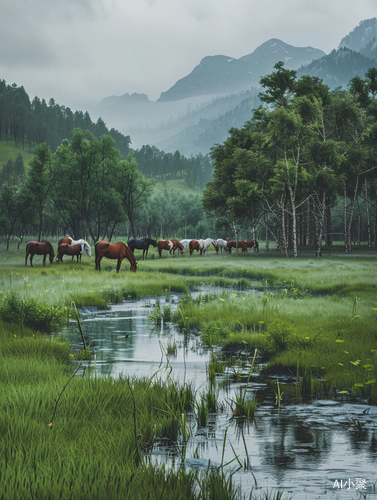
x=80 y=51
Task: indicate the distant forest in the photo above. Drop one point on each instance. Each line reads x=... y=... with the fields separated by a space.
x=36 y=122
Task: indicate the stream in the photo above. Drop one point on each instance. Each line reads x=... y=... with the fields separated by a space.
x=318 y=449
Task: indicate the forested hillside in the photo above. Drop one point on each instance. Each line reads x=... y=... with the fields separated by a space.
x=29 y=123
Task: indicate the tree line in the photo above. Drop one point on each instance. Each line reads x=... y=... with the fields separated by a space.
x=37 y=122
x=85 y=189
x=304 y=154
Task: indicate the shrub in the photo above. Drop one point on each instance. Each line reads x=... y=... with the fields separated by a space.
x=32 y=313
x=281 y=334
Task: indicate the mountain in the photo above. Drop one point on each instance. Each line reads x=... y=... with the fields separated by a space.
x=221 y=92
x=361 y=36
x=222 y=75
x=362 y=39
x=337 y=68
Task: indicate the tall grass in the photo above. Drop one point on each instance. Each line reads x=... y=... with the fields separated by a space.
x=83 y=441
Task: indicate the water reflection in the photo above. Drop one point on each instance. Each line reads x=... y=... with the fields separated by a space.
x=301 y=449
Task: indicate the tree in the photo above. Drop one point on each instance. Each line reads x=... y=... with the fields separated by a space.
x=279 y=85
x=38 y=183
x=134 y=189
x=14 y=208
x=86 y=180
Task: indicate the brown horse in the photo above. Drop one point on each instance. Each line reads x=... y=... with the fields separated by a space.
x=67 y=249
x=251 y=244
x=232 y=244
x=194 y=245
x=39 y=248
x=164 y=245
x=177 y=244
x=114 y=251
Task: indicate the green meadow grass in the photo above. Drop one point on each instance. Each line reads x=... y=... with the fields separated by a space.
x=312 y=317
x=306 y=313
x=8 y=151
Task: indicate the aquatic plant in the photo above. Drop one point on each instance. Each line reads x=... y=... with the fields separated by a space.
x=242 y=406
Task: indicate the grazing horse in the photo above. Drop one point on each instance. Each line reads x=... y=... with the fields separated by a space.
x=141 y=245
x=39 y=248
x=66 y=249
x=177 y=244
x=205 y=244
x=233 y=244
x=84 y=245
x=222 y=244
x=164 y=245
x=184 y=243
x=114 y=251
x=194 y=245
x=251 y=244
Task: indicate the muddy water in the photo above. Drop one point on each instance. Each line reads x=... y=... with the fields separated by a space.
x=319 y=449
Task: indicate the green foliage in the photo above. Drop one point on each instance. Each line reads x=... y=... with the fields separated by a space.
x=281 y=334
x=31 y=313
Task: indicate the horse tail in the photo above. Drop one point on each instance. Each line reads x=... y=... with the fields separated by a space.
x=27 y=246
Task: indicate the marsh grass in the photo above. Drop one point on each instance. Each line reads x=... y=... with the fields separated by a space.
x=68 y=437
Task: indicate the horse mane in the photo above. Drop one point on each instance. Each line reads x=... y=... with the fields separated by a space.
x=130 y=255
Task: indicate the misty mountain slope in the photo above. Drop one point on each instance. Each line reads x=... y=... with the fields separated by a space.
x=170 y=126
x=220 y=92
x=361 y=36
x=200 y=138
x=337 y=68
x=224 y=75
x=362 y=39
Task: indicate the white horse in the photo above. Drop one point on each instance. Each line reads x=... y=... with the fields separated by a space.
x=184 y=243
x=205 y=244
x=84 y=245
x=222 y=244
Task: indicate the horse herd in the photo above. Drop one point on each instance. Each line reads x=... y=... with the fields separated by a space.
x=119 y=251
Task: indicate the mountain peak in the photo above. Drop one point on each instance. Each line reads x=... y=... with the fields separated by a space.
x=222 y=75
x=275 y=49
x=360 y=37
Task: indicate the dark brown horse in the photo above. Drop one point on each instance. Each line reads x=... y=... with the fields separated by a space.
x=39 y=248
x=177 y=244
x=194 y=245
x=67 y=249
x=232 y=244
x=252 y=244
x=114 y=251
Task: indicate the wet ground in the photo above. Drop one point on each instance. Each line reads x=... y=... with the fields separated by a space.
x=310 y=450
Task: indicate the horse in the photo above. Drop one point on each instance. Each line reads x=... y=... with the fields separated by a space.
x=205 y=244
x=177 y=244
x=184 y=243
x=222 y=244
x=233 y=244
x=251 y=244
x=141 y=245
x=114 y=251
x=194 y=245
x=66 y=249
x=164 y=245
x=39 y=248
x=84 y=245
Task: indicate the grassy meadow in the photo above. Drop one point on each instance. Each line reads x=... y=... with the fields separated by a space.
x=85 y=438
